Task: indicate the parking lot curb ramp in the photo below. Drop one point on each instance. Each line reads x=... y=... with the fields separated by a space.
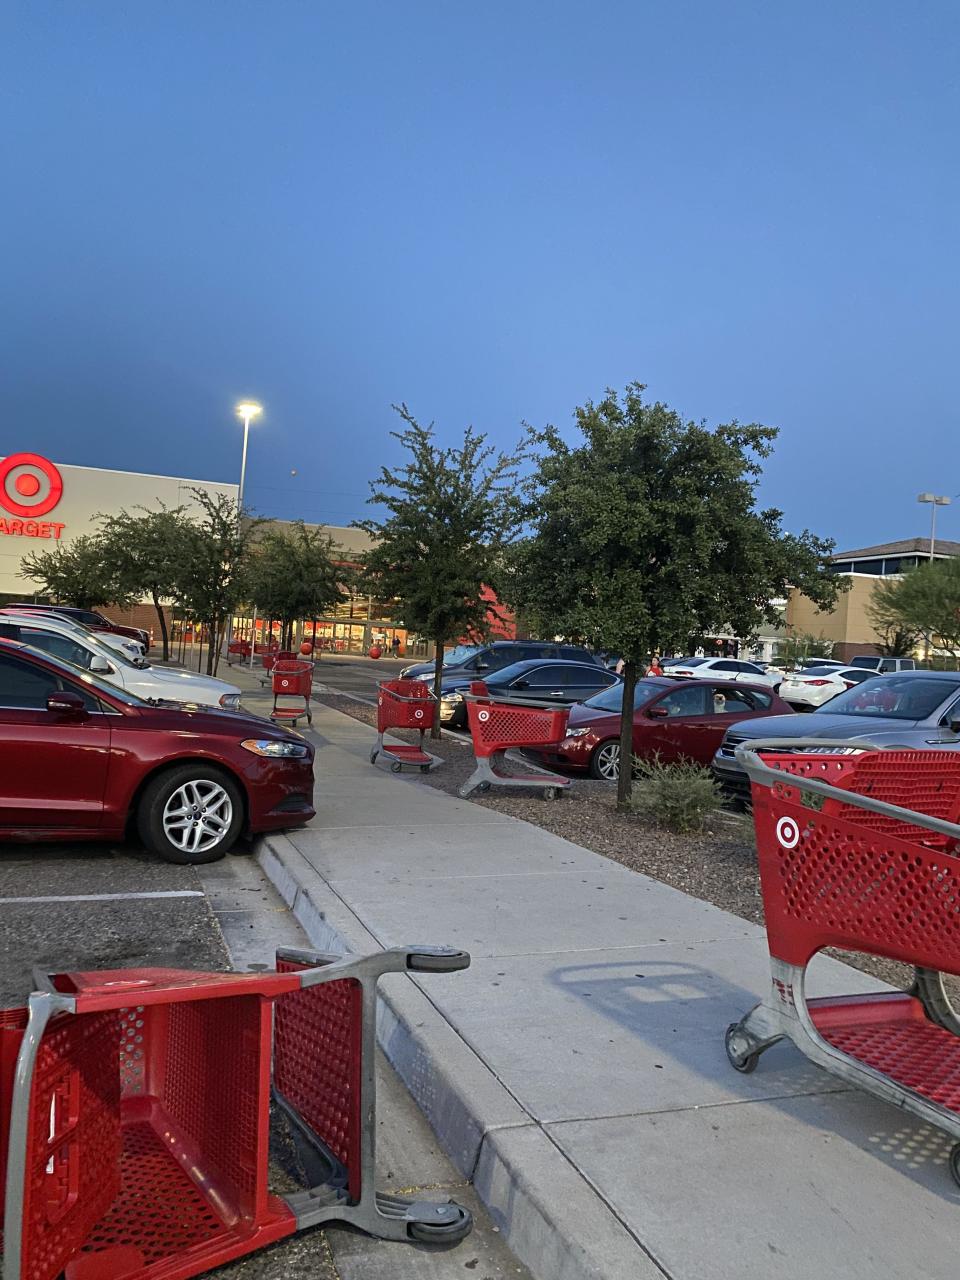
x=550 y=1216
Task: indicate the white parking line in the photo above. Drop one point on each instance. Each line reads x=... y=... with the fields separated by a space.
x=108 y=897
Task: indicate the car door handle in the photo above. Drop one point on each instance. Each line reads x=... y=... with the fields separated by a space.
x=557 y=693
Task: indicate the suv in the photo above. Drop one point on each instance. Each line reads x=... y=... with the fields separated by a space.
x=503 y=653
x=90 y=618
x=872 y=662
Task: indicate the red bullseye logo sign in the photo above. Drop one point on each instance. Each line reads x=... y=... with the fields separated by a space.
x=30 y=488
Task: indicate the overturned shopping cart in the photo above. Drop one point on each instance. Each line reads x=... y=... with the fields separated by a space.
x=858 y=849
x=404 y=704
x=136 y=1116
x=499 y=727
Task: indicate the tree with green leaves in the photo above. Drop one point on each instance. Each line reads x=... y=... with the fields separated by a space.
x=646 y=532
x=82 y=574
x=292 y=575
x=149 y=550
x=924 y=602
x=212 y=582
x=792 y=650
x=451 y=514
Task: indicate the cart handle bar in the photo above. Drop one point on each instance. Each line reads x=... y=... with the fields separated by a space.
x=516 y=702
x=747 y=755
x=402 y=697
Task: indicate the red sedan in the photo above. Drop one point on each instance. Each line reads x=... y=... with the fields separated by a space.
x=81 y=759
x=671 y=719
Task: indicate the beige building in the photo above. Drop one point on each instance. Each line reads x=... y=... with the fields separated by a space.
x=848 y=624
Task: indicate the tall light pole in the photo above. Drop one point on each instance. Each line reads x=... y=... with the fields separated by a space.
x=935 y=500
x=247 y=410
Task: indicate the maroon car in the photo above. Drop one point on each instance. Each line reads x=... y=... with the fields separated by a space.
x=81 y=759
x=90 y=618
x=672 y=719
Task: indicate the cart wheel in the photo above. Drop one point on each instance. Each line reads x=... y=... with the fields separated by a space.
x=373 y=755
x=396 y=767
x=743 y=1062
x=443 y=1233
x=483 y=786
x=938 y=1004
x=955 y=1163
x=464 y=791
x=424 y=768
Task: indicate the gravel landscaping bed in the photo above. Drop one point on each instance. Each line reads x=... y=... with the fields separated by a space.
x=719 y=865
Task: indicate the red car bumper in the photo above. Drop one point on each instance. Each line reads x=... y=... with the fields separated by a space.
x=280 y=794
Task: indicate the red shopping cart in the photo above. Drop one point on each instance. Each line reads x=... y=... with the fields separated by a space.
x=238 y=651
x=857 y=849
x=137 y=1115
x=404 y=704
x=498 y=727
x=292 y=678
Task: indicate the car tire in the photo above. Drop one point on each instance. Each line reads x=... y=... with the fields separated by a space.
x=165 y=815
x=605 y=761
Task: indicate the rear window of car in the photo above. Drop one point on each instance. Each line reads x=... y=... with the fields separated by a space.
x=682 y=662
x=897 y=697
x=573 y=654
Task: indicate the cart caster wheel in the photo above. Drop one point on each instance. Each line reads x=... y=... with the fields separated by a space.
x=443 y=1233
x=373 y=756
x=464 y=792
x=424 y=768
x=552 y=793
x=396 y=767
x=741 y=1061
x=955 y=1163
x=483 y=786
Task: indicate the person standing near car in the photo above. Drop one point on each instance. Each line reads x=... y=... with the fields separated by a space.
x=395 y=646
x=654 y=668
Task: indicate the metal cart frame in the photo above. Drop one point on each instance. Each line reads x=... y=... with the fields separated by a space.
x=877 y=891
x=404 y=704
x=499 y=727
x=87 y=1030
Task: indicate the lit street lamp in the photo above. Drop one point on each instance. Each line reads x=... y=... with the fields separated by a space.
x=935 y=500
x=247 y=411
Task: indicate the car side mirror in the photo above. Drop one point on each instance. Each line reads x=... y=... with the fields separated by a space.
x=481 y=666
x=658 y=713
x=100 y=666
x=67 y=704
x=521 y=684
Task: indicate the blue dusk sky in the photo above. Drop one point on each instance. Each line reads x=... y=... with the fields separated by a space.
x=492 y=212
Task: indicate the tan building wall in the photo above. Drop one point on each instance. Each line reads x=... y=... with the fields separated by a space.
x=848 y=625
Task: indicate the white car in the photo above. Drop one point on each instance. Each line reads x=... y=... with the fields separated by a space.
x=64 y=639
x=123 y=644
x=813 y=686
x=721 y=669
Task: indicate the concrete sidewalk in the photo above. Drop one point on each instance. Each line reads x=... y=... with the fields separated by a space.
x=576 y=1071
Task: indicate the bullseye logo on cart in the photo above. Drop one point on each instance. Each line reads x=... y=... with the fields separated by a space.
x=483 y=716
x=30 y=487
x=788 y=833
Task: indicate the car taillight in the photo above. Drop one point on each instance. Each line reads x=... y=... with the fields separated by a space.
x=816 y=682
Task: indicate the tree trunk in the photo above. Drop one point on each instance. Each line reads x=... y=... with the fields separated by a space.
x=212 y=639
x=437 y=677
x=625 y=781
x=163 y=626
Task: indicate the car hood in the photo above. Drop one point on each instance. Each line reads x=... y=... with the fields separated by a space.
x=187 y=680
x=195 y=717
x=582 y=715
x=882 y=730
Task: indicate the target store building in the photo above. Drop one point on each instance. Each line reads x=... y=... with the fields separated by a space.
x=46 y=504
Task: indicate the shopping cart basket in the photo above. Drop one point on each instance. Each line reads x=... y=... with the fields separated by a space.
x=404 y=704
x=139 y=1115
x=270 y=659
x=238 y=651
x=498 y=727
x=841 y=866
x=292 y=678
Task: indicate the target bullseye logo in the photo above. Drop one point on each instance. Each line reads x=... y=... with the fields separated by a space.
x=418 y=714
x=483 y=716
x=788 y=833
x=30 y=486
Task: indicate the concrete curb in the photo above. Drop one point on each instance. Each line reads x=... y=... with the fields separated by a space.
x=552 y=1219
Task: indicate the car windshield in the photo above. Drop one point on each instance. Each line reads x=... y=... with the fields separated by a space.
x=612 y=699
x=903 y=697
x=459 y=654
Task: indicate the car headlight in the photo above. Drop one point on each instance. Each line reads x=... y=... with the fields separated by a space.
x=577 y=733
x=275 y=750
x=231 y=701
x=451 y=697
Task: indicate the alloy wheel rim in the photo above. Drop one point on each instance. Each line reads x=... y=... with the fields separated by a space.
x=197 y=816
x=608 y=761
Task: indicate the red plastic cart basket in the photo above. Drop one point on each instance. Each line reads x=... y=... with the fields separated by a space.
x=498 y=727
x=139 y=1112
x=239 y=650
x=404 y=704
x=857 y=849
x=291 y=678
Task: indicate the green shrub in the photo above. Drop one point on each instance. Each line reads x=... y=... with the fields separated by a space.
x=679 y=796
